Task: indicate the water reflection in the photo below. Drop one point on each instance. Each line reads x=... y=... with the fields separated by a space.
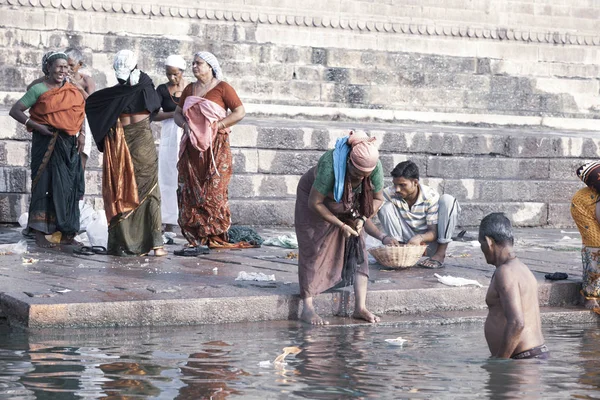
x=590 y=353
x=332 y=365
x=208 y=373
x=512 y=379
x=129 y=379
x=336 y=362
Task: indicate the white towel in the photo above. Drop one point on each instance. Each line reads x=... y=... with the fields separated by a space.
x=454 y=281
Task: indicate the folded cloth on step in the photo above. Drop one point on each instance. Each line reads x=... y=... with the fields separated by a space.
x=254 y=276
x=238 y=234
x=288 y=241
x=456 y=281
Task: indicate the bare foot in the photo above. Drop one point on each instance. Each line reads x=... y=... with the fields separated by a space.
x=366 y=315
x=591 y=304
x=41 y=241
x=310 y=316
x=160 y=252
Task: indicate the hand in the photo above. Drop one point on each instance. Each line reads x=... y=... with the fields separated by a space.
x=43 y=129
x=221 y=126
x=416 y=240
x=390 y=241
x=359 y=224
x=80 y=142
x=347 y=231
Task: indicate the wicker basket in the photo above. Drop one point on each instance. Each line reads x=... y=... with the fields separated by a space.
x=402 y=256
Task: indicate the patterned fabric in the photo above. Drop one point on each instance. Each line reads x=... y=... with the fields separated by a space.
x=590 y=174
x=49 y=58
x=591 y=272
x=583 y=211
x=424 y=212
x=212 y=61
x=203 y=198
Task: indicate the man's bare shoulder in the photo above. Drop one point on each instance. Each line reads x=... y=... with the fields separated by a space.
x=514 y=272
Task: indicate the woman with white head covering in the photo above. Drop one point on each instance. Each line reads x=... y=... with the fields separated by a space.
x=119 y=119
x=204 y=165
x=170 y=136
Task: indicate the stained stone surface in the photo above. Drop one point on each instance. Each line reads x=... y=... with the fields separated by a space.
x=63 y=289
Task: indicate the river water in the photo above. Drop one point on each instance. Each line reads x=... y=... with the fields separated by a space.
x=231 y=361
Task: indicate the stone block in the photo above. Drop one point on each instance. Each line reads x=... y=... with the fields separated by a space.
x=492 y=167
x=451 y=141
x=262 y=212
x=14 y=180
x=93 y=182
x=12 y=205
x=559 y=215
x=244 y=136
x=280 y=138
x=263 y=186
x=565 y=169
x=520 y=214
x=389 y=161
x=245 y=160
x=287 y=161
x=513 y=190
x=15 y=153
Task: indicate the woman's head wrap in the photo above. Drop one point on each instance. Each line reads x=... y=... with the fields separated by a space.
x=125 y=67
x=49 y=58
x=364 y=154
x=212 y=61
x=175 y=61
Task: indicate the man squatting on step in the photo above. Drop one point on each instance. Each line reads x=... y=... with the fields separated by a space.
x=414 y=213
x=513 y=328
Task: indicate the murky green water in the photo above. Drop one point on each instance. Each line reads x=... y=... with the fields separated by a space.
x=336 y=362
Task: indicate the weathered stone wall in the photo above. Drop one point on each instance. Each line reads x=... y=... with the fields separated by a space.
x=520 y=62
x=521 y=58
x=529 y=174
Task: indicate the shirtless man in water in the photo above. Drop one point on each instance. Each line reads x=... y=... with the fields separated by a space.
x=513 y=327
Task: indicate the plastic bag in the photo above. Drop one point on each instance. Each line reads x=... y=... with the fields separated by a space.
x=97 y=230
x=23 y=220
x=254 y=276
x=14 y=248
x=86 y=215
x=288 y=241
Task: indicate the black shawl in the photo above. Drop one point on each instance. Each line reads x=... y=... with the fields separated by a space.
x=103 y=107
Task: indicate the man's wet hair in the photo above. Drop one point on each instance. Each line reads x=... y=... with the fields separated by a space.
x=497 y=227
x=406 y=170
x=75 y=54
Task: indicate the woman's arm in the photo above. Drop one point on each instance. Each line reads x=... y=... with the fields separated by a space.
x=316 y=204
x=17 y=112
x=236 y=116
x=162 y=115
x=178 y=117
x=377 y=202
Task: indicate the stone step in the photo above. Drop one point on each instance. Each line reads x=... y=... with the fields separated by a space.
x=413 y=306
x=250 y=185
x=529 y=173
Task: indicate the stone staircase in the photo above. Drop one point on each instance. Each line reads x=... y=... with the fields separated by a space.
x=529 y=173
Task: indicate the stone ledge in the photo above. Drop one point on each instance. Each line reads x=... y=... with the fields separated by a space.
x=35 y=313
x=406 y=26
